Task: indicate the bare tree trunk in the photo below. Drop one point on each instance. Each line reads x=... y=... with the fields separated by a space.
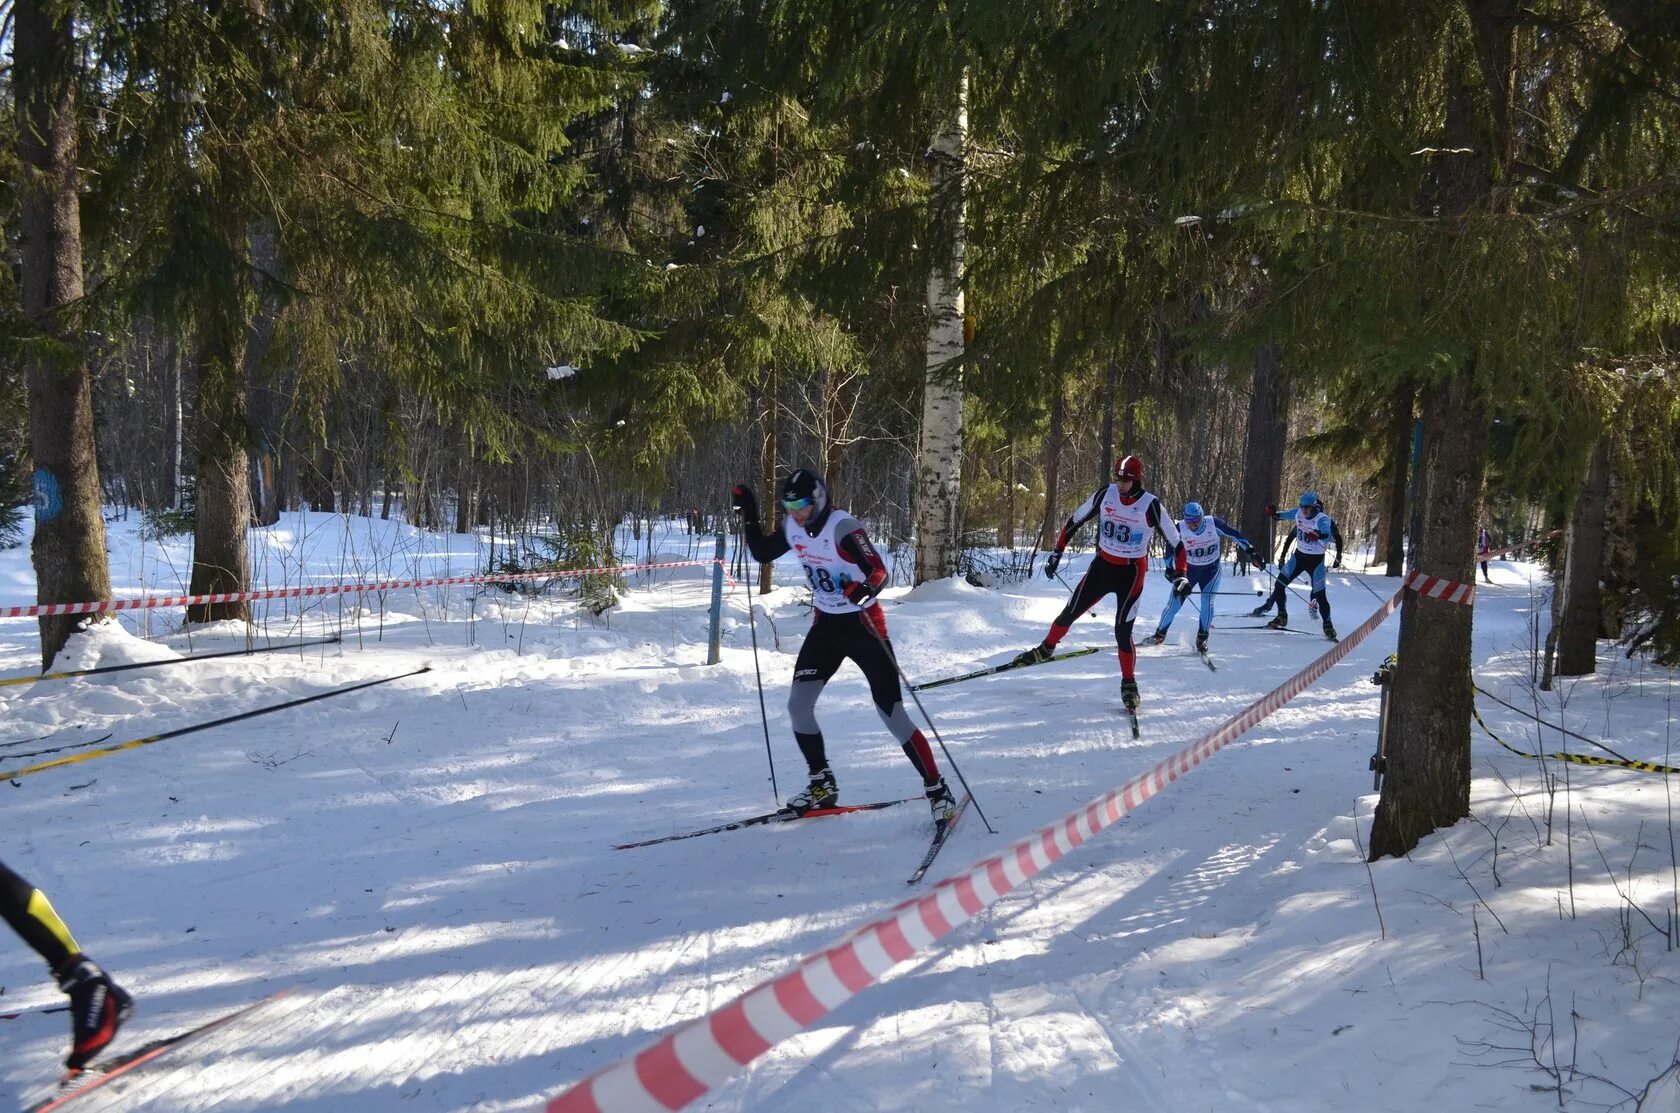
x=221 y=559
x=1053 y=442
x=69 y=548
x=1105 y=466
x=267 y=412
x=1577 y=640
x=1268 y=429
x=1006 y=531
x=1399 y=463
x=769 y=441
x=939 y=455
x=1427 y=785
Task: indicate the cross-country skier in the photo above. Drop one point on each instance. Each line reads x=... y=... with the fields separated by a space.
x=1199 y=535
x=846 y=574
x=1484 y=546
x=1128 y=513
x=98 y=1006
x=1312 y=534
x=1283 y=555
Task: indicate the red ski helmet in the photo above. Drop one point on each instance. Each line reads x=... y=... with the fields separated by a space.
x=1130 y=466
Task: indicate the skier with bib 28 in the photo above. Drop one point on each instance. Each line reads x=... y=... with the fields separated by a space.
x=1128 y=514
x=845 y=573
x=98 y=1006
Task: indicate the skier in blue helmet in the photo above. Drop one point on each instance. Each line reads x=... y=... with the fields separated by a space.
x=1314 y=530
x=1201 y=536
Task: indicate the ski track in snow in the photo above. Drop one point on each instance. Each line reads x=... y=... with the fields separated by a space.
x=428 y=865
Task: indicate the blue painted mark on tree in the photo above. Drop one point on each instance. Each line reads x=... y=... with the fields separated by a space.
x=48 y=500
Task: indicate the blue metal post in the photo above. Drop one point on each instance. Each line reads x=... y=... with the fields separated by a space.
x=714 y=653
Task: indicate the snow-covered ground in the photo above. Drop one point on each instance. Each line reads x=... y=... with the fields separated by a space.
x=427 y=864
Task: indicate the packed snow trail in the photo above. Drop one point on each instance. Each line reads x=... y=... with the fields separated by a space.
x=431 y=868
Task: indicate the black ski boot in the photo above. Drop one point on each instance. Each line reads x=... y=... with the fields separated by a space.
x=1201 y=641
x=98 y=1007
x=1280 y=622
x=1129 y=693
x=1330 y=631
x=1261 y=611
x=1037 y=655
x=822 y=792
x=944 y=804
x=1156 y=638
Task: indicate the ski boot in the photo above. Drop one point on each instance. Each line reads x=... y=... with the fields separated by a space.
x=1156 y=638
x=1330 y=631
x=98 y=1007
x=1037 y=655
x=1281 y=622
x=1261 y=611
x=1201 y=641
x=822 y=792
x=944 y=804
x=1129 y=693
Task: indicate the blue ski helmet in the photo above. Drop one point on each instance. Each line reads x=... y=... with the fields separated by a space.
x=1192 y=512
x=1308 y=500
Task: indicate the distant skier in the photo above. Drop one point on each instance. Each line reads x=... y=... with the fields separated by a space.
x=1484 y=546
x=1128 y=514
x=1283 y=555
x=846 y=574
x=1199 y=556
x=1312 y=534
x=98 y=1006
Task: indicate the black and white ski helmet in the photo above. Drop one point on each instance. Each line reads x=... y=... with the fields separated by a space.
x=805 y=488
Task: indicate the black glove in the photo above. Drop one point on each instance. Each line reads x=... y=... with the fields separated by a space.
x=743 y=501
x=1338 y=563
x=1051 y=564
x=1182 y=587
x=860 y=593
x=1170 y=573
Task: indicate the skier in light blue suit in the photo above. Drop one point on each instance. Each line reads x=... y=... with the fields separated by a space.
x=1313 y=533
x=1200 y=557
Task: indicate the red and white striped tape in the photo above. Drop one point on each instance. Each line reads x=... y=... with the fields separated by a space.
x=103 y=606
x=1437 y=588
x=1451 y=590
x=698 y=1056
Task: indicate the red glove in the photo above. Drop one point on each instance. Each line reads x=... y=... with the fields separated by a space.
x=1314 y=535
x=1271 y=510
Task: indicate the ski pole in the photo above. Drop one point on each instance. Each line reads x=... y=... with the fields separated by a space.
x=955 y=768
x=133 y=743
x=764 y=716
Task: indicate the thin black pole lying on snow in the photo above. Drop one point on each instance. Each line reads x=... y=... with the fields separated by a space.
x=134 y=743
x=11 y=680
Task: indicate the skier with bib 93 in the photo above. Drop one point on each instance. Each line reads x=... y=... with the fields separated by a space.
x=98 y=1006
x=846 y=574
x=1127 y=515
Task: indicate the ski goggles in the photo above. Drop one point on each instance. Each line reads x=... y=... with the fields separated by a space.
x=797 y=504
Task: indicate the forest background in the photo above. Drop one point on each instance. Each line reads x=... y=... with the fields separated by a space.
x=533 y=268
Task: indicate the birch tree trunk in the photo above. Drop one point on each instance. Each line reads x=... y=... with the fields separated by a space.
x=939 y=455
x=69 y=548
x=1577 y=639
